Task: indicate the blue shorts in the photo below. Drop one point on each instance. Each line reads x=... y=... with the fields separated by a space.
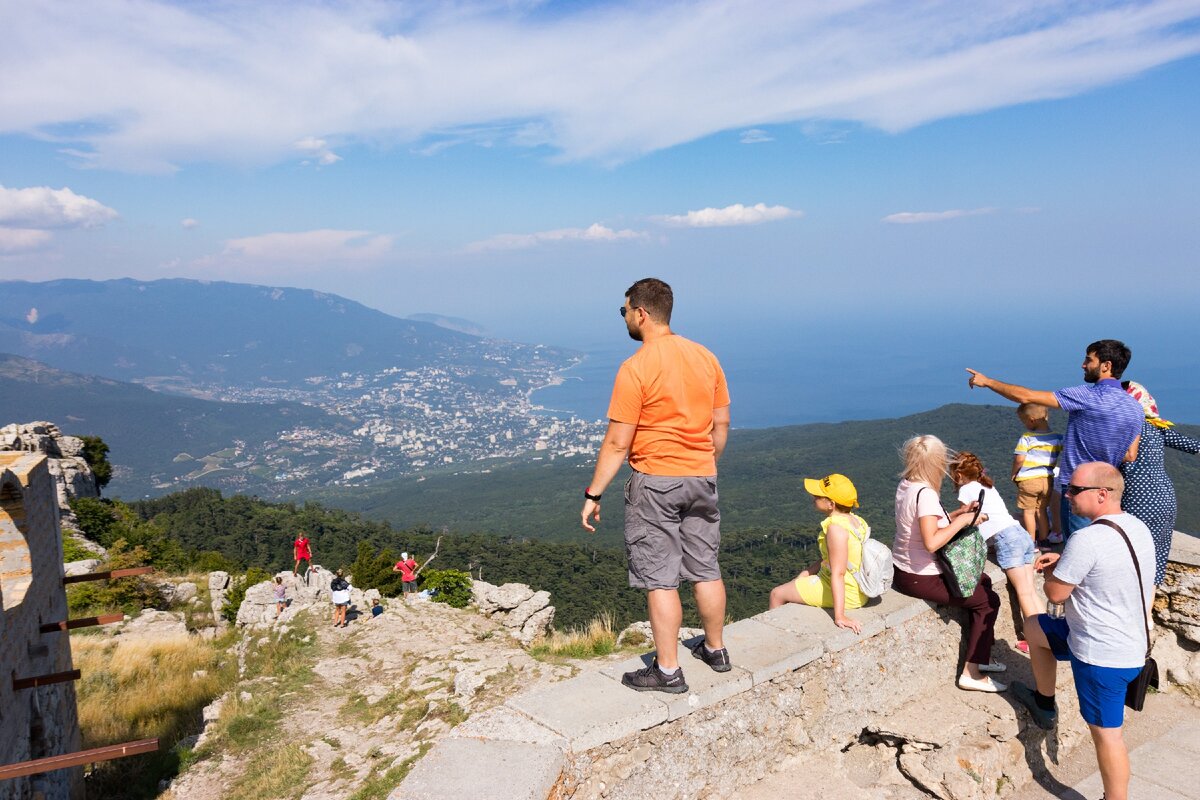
x=1014 y=547
x=1101 y=690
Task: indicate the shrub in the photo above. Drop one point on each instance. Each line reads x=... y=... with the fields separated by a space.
x=450 y=586
x=73 y=551
x=237 y=591
x=95 y=453
x=128 y=595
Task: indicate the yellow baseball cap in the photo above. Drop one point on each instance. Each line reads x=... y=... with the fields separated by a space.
x=837 y=488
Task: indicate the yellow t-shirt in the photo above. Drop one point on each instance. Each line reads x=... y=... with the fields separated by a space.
x=669 y=388
x=856 y=530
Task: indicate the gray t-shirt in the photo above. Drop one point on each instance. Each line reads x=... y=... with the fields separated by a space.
x=1104 y=611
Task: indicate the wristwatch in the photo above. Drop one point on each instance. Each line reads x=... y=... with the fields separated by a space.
x=595 y=498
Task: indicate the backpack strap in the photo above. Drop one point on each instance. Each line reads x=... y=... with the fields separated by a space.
x=1137 y=568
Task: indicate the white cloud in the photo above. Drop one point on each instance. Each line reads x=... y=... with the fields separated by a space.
x=317 y=247
x=43 y=207
x=736 y=214
x=911 y=217
x=187 y=223
x=756 y=136
x=149 y=85
x=318 y=150
x=22 y=240
x=517 y=241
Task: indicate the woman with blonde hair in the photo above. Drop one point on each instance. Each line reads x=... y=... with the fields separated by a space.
x=922 y=528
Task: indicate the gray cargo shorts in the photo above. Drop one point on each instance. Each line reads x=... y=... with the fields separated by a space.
x=672 y=530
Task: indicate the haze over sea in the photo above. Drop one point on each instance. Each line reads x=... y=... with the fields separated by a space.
x=796 y=372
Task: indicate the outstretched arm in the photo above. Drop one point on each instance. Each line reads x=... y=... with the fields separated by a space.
x=1177 y=441
x=1011 y=391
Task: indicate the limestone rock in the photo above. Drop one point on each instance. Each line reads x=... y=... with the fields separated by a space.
x=639 y=633
x=154 y=624
x=185 y=592
x=81 y=567
x=72 y=476
x=537 y=625
x=491 y=599
x=535 y=603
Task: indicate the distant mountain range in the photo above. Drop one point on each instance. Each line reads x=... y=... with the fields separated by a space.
x=186 y=332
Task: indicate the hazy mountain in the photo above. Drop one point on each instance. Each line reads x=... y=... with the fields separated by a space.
x=155 y=439
x=451 y=323
x=195 y=333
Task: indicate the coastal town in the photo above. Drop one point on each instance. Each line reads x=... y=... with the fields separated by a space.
x=396 y=422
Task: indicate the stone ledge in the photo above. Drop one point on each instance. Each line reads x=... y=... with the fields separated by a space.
x=483 y=770
x=1185 y=549
x=593 y=709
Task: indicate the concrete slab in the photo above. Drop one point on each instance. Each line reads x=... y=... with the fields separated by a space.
x=764 y=651
x=592 y=709
x=1186 y=736
x=810 y=624
x=1185 y=549
x=706 y=687
x=508 y=725
x=482 y=770
x=896 y=608
x=1093 y=786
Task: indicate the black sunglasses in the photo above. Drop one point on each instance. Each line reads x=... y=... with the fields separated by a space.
x=1071 y=490
x=624 y=309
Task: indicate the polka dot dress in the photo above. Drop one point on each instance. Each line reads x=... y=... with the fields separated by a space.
x=1149 y=493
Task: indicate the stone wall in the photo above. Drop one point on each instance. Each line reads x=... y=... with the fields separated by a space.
x=40 y=722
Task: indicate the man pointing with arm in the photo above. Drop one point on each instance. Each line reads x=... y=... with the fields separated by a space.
x=669 y=416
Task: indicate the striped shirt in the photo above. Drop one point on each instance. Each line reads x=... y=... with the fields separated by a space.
x=1102 y=421
x=1041 y=449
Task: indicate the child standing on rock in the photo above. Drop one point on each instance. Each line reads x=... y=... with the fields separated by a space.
x=280 y=596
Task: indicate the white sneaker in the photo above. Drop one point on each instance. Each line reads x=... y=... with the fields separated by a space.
x=969 y=684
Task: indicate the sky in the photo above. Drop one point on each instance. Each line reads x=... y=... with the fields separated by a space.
x=1020 y=169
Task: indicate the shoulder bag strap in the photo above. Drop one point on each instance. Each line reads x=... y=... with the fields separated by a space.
x=1137 y=568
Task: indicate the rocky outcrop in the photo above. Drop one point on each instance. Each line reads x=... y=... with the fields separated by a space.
x=72 y=476
x=516 y=606
x=259 y=605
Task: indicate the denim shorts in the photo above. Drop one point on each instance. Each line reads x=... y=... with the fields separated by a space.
x=672 y=530
x=1014 y=547
x=1101 y=690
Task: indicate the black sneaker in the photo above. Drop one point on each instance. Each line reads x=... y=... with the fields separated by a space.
x=717 y=659
x=1044 y=719
x=651 y=679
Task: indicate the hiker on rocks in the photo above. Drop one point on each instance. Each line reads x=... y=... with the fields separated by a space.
x=1013 y=545
x=1103 y=422
x=1104 y=631
x=303 y=552
x=280 y=592
x=830 y=582
x=407 y=567
x=922 y=528
x=339 y=589
x=1149 y=493
x=669 y=415
x=1034 y=460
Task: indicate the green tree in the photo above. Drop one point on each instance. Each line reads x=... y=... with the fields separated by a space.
x=95 y=453
x=450 y=586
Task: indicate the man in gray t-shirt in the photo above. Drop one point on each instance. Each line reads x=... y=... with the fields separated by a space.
x=1104 y=632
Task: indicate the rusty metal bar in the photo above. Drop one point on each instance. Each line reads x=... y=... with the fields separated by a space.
x=81 y=622
x=45 y=680
x=108 y=753
x=100 y=576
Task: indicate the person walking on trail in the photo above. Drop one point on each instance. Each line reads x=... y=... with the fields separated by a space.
x=669 y=415
x=339 y=590
x=1103 y=422
x=407 y=567
x=1104 y=630
x=302 y=550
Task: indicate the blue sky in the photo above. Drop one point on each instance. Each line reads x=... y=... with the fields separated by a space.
x=520 y=163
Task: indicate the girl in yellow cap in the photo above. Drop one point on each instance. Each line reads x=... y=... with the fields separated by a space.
x=829 y=583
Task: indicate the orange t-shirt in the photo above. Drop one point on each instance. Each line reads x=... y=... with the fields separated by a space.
x=669 y=388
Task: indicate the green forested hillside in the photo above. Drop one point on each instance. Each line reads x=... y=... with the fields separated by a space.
x=760 y=479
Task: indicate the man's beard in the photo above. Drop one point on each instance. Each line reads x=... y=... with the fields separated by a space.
x=634 y=334
x=1091 y=375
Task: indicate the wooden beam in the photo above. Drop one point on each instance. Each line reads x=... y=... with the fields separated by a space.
x=39 y=765
x=101 y=576
x=82 y=622
x=45 y=680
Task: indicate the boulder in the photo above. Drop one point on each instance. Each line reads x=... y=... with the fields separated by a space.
x=154 y=624
x=492 y=599
x=185 y=591
x=537 y=626
x=81 y=567
x=535 y=603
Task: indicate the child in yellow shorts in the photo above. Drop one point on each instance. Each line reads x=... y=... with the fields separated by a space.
x=830 y=583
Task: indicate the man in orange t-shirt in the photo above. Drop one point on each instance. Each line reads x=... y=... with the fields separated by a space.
x=670 y=416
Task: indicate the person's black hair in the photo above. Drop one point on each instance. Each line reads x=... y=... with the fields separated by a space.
x=653 y=295
x=1114 y=352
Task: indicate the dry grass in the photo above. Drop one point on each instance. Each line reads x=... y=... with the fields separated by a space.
x=277 y=772
x=142 y=688
x=597 y=639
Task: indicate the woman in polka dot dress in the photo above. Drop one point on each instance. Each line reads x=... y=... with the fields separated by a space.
x=1149 y=493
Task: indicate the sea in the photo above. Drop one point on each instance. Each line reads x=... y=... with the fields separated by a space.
x=792 y=376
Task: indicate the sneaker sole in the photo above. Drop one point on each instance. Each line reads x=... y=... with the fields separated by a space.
x=668 y=689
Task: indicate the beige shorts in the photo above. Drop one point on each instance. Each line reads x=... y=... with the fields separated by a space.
x=1033 y=494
